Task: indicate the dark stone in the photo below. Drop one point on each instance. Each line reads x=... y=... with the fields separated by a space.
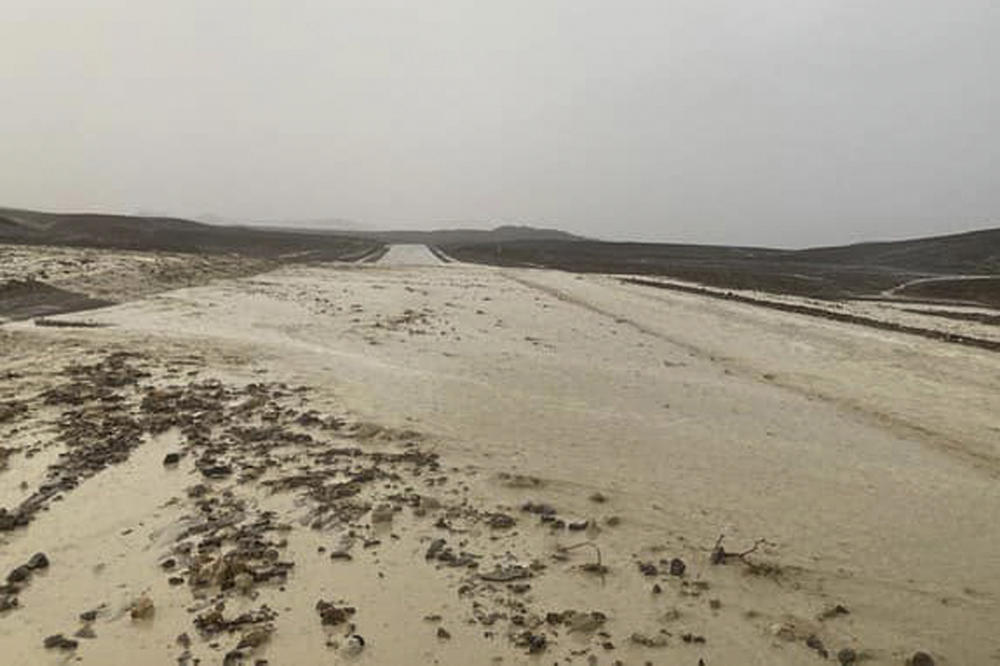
x=677 y=567
x=59 y=641
x=539 y=508
x=534 y=642
x=847 y=656
x=19 y=575
x=435 y=549
x=171 y=459
x=648 y=569
x=38 y=561
x=921 y=659
x=217 y=471
x=331 y=614
x=500 y=521
x=813 y=642
x=443 y=634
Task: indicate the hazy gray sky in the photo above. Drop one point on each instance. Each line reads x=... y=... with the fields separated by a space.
x=782 y=122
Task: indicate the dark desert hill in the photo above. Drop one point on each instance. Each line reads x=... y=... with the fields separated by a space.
x=128 y=232
x=500 y=234
x=973 y=252
x=174 y=234
x=864 y=270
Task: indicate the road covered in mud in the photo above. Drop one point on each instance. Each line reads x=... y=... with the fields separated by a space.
x=418 y=462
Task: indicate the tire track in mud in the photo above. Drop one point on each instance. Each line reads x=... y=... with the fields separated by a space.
x=979 y=460
x=941 y=336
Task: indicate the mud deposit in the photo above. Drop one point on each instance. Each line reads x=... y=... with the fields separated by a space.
x=408 y=462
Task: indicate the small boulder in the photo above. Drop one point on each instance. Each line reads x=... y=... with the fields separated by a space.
x=847 y=656
x=19 y=574
x=58 y=641
x=921 y=659
x=38 y=561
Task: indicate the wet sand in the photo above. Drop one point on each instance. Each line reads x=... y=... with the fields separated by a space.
x=335 y=422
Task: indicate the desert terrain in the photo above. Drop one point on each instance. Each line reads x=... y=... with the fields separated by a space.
x=415 y=460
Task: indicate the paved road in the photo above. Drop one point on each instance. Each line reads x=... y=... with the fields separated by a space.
x=409 y=255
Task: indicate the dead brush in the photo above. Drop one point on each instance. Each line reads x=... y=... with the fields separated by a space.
x=597 y=567
x=720 y=555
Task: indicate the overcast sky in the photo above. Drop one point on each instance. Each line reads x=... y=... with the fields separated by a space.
x=766 y=122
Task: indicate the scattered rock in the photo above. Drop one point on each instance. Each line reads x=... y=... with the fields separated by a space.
x=58 y=641
x=85 y=632
x=443 y=634
x=331 y=614
x=435 y=549
x=847 y=656
x=38 y=561
x=598 y=497
x=8 y=602
x=578 y=525
x=217 y=471
x=538 y=508
x=535 y=643
x=171 y=458
x=814 y=643
x=648 y=569
x=677 y=567
x=88 y=616
x=500 y=521
x=19 y=574
x=142 y=608
x=920 y=659
x=354 y=644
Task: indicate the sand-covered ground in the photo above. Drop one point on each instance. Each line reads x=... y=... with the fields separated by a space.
x=111 y=275
x=461 y=464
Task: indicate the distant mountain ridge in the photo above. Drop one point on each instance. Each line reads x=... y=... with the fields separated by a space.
x=967 y=252
x=502 y=234
x=129 y=232
x=155 y=232
x=974 y=252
